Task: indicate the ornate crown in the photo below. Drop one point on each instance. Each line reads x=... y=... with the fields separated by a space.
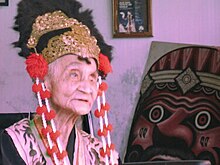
x=77 y=41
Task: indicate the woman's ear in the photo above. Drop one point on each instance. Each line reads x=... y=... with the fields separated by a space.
x=47 y=83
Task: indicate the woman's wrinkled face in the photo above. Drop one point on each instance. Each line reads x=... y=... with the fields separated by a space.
x=73 y=84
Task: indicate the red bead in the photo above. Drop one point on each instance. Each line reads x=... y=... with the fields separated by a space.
x=102 y=112
x=109 y=127
x=103 y=86
x=106 y=106
x=61 y=155
x=44 y=94
x=99 y=132
x=50 y=115
x=112 y=146
x=36 y=88
x=96 y=113
x=46 y=130
x=104 y=132
x=41 y=110
x=99 y=114
x=107 y=151
x=54 y=135
x=102 y=153
x=52 y=150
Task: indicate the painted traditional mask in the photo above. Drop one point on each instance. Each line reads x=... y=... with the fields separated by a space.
x=178 y=115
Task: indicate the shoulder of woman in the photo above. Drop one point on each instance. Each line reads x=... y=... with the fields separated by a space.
x=25 y=141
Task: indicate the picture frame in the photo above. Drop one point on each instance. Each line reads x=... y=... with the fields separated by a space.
x=3 y=2
x=132 y=18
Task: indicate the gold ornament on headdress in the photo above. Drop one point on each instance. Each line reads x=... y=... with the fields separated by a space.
x=78 y=41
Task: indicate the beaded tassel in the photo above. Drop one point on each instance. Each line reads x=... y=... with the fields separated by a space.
x=37 y=68
x=105 y=127
x=50 y=133
x=45 y=125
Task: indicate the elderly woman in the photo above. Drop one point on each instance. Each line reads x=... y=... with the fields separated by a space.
x=65 y=58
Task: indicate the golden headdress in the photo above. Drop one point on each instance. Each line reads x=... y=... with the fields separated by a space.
x=54 y=20
x=76 y=41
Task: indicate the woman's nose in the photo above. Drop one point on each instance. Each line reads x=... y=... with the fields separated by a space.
x=85 y=86
x=173 y=127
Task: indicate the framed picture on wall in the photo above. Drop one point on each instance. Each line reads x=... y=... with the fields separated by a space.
x=3 y=2
x=132 y=18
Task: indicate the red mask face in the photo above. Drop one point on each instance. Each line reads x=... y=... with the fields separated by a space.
x=179 y=119
x=170 y=126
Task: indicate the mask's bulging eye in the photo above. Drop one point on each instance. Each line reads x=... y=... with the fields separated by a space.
x=156 y=114
x=202 y=119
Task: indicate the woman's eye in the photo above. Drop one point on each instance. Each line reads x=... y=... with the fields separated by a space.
x=74 y=75
x=93 y=78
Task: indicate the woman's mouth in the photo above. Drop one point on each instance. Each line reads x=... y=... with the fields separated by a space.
x=84 y=100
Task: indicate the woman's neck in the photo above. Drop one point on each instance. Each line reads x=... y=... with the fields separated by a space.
x=65 y=121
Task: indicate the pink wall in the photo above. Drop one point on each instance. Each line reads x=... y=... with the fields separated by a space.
x=182 y=21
